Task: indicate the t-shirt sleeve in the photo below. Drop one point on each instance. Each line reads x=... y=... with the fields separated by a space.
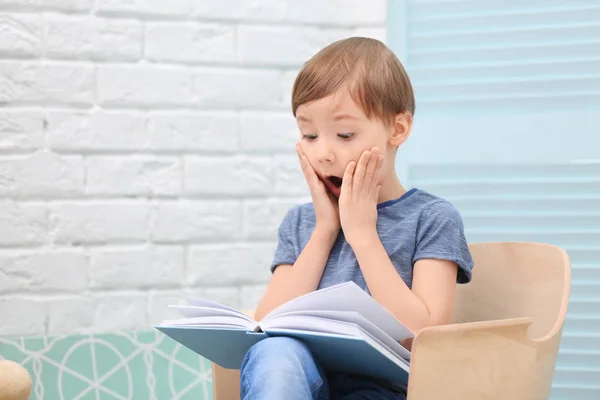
x=440 y=235
x=285 y=252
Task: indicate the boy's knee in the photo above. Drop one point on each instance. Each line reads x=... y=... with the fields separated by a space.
x=280 y=364
x=279 y=349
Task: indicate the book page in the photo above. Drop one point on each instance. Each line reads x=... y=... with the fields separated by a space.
x=346 y=297
x=334 y=322
x=199 y=302
x=351 y=330
x=197 y=312
x=210 y=321
x=202 y=312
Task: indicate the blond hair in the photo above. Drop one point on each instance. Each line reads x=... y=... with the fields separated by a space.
x=375 y=77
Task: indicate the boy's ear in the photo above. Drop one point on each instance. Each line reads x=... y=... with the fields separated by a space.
x=401 y=127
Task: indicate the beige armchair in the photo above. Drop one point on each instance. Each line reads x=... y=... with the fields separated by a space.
x=504 y=340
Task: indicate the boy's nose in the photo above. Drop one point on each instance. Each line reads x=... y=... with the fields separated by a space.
x=325 y=154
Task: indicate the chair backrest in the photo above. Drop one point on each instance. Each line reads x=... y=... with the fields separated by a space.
x=517 y=280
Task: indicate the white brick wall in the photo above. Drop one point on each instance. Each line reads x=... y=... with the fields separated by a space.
x=146 y=149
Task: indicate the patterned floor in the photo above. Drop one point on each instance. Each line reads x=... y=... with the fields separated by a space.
x=142 y=365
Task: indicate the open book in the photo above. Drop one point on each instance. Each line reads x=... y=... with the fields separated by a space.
x=345 y=328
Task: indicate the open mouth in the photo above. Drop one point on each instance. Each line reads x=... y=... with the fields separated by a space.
x=334 y=185
x=336 y=181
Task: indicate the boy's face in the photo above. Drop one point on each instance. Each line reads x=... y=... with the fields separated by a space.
x=334 y=131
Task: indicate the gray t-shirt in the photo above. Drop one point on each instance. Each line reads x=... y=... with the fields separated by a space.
x=415 y=226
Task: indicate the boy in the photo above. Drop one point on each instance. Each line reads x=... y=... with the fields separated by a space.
x=354 y=104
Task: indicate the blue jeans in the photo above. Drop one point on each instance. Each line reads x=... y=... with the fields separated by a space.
x=284 y=368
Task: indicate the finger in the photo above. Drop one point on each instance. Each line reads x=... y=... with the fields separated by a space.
x=307 y=169
x=376 y=173
x=370 y=171
x=299 y=151
x=376 y=193
x=333 y=199
x=347 y=179
x=310 y=174
x=359 y=174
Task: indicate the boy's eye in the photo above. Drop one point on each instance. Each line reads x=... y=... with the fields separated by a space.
x=346 y=135
x=309 y=137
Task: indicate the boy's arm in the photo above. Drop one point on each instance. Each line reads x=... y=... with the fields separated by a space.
x=431 y=300
x=291 y=281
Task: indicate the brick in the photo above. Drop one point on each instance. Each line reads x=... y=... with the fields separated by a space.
x=258 y=10
x=378 y=33
x=22 y=316
x=30 y=270
x=331 y=35
x=21 y=130
x=268 y=132
x=199 y=131
x=251 y=295
x=337 y=12
x=127 y=175
x=287 y=84
x=22 y=224
x=36 y=82
x=228 y=264
x=195 y=42
x=84 y=37
x=99 y=222
x=69 y=315
x=148 y=7
x=21 y=35
x=263 y=217
x=135 y=85
x=81 y=131
x=278 y=45
x=136 y=267
x=329 y=12
x=308 y=12
x=237 y=87
x=289 y=179
x=196 y=220
x=356 y=12
x=120 y=311
x=234 y=176
x=41 y=174
x=57 y=5
x=287 y=46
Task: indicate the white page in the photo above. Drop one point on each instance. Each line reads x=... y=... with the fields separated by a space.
x=347 y=297
x=199 y=302
x=359 y=333
x=329 y=321
x=219 y=321
x=196 y=312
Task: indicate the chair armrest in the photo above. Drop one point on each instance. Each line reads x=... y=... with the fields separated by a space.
x=15 y=381
x=226 y=383
x=480 y=360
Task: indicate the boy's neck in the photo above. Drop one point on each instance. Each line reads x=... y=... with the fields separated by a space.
x=391 y=189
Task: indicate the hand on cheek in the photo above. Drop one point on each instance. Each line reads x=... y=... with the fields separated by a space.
x=326 y=208
x=359 y=195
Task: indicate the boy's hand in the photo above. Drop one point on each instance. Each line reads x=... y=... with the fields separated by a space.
x=358 y=199
x=326 y=208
